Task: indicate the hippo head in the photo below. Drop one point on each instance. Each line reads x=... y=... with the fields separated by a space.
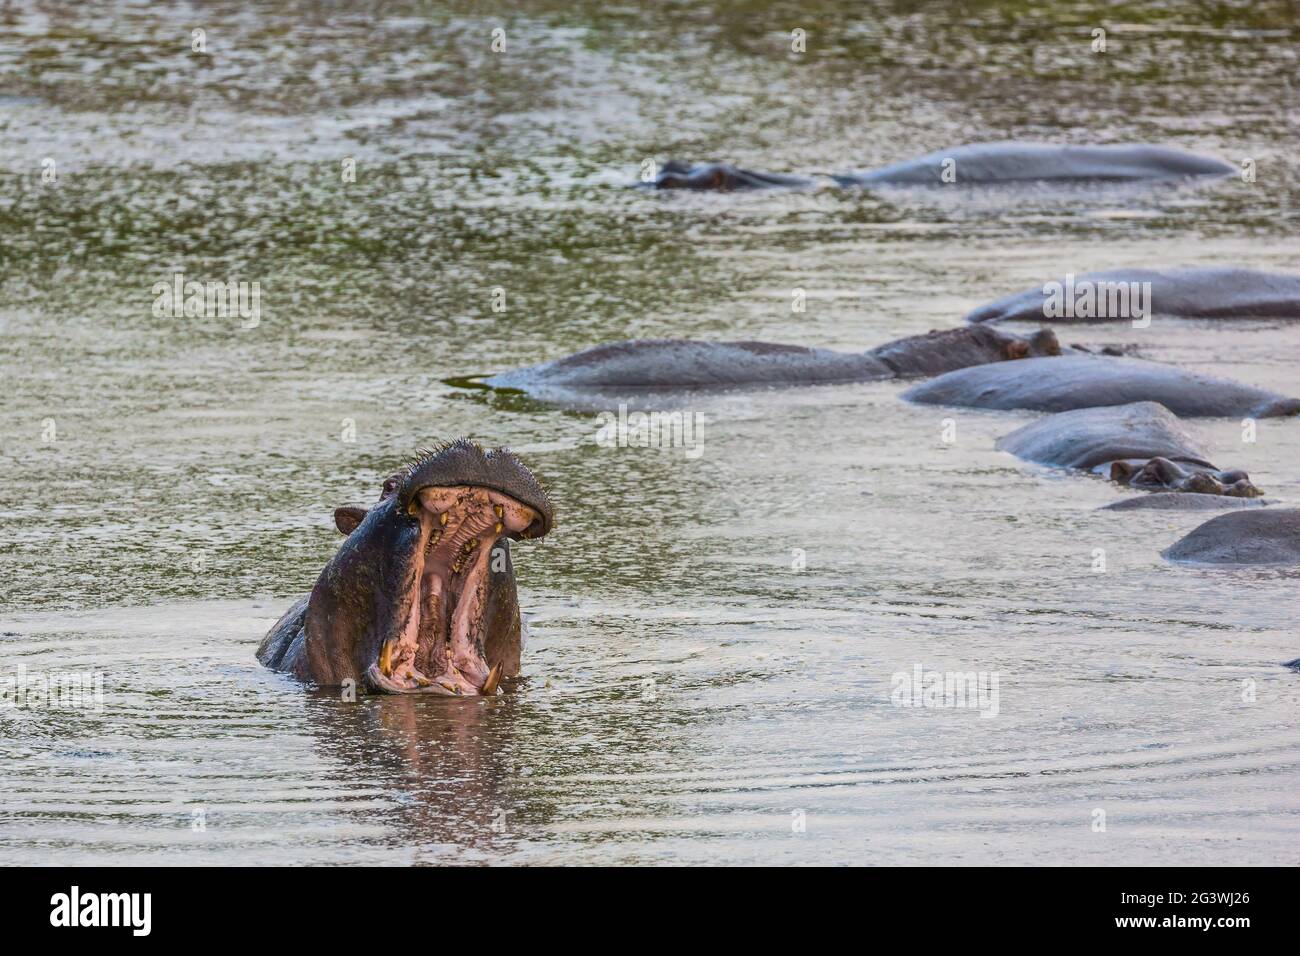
x=710 y=176
x=718 y=177
x=1040 y=343
x=408 y=603
x=1163 y=474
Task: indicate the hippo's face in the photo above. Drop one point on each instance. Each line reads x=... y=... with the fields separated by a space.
x=1162 y=474
x=719 y=177
x=403 y=605
x=1042 y=342
x=713 y=176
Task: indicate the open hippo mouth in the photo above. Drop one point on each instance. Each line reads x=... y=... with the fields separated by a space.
x=441 y=524
x=440 y=648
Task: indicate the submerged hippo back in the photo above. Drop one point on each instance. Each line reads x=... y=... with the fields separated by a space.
x=1090 y=381
x=1088 y=437
x=1010 y=162
x=1267 y=536
x=1213 y=293
x=681 y=363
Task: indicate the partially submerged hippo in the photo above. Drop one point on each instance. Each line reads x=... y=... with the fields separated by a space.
x=420 y=598
x=718 y=177
x=670 y=364
x=975 y=163
x=1088 y=381
x=1174 y=501
x=1014 y=162
x=1269 y=536
x=1141 y=445
x=1124 y=294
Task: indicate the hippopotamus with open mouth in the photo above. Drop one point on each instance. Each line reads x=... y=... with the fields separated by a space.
x=1088 y=381
x=618 y=368
x=1243 y=538
x=1124 y=294
x=973 y=164
x=420 y=598
x=1141 y=445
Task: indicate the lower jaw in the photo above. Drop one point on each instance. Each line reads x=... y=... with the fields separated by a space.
x=440 y=651
x=381 y=682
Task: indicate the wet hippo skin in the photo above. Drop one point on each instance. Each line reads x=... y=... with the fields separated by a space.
x=1215 y=293
x=1087 y=381
x=1241 y=538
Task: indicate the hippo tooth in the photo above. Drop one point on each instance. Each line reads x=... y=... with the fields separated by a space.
x=498 y=527
x=386 y=659
x=493 y=678
x=499 y=510
x=442 y=518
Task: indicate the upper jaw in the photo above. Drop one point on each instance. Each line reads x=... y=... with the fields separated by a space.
x=465 y=463
x=438 y=644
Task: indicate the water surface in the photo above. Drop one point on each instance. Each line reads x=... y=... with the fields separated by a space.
x=166 y=485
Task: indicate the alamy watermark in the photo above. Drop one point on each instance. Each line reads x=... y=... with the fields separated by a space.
x=1091 y=299
x=977 y=690
x=73 y=690
x=208 y=300
x=626 y=429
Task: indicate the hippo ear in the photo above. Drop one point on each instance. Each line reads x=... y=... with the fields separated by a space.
x=347 y=517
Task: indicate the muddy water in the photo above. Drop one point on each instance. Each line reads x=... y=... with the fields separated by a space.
x=166 y=483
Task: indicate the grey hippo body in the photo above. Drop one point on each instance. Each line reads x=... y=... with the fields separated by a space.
x=974 y=164
x=1239 y=538
x=420 y=598
x=656 y=365
x=1140 y=445
x=1016 y=162
x=1088 y=381
x=1176 y=501
x=1210 y=293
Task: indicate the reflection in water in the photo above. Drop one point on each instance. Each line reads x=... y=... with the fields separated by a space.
x=447 y=762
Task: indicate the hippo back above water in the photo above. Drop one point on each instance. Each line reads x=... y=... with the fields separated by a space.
x=641 y=365
x=1126 y=294
x=1241 y=538
x=1016 y=162
x=1089 y=381
x=973 y=164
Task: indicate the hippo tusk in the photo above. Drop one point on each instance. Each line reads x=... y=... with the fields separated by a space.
x=493 y=679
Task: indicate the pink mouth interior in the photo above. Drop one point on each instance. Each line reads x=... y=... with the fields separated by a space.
x=440 y=648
